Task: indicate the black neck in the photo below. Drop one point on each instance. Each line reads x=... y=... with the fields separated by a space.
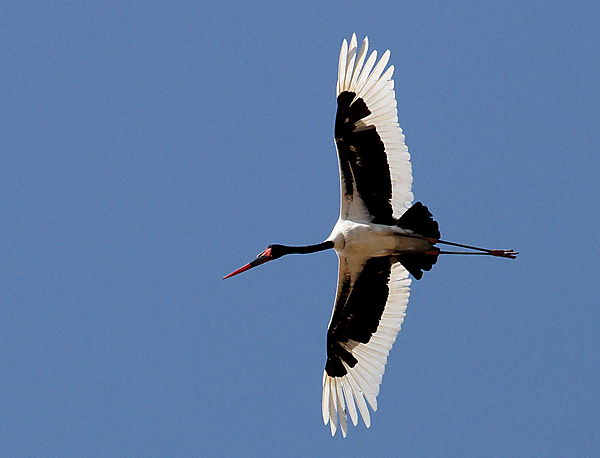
x=308 y=248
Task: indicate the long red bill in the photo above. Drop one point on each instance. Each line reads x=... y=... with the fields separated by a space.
x=239 y=271
x=261 y=259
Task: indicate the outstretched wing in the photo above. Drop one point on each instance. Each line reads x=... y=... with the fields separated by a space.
x=370 y=307
x=375 y=170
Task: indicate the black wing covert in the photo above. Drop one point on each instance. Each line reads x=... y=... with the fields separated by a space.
x=357 y=313
x=363 y=160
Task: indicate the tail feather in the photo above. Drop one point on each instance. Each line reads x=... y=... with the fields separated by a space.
x=416 y=263
x=419 y=219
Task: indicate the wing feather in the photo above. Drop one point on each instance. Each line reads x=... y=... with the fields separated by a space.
x=350 y=400
x=345 y=390
x=370 y=163
x=341 y=407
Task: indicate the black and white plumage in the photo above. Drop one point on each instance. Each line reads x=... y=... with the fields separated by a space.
x=380 y=237
x=376 y=180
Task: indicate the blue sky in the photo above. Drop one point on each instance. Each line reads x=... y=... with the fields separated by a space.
x=149 y=148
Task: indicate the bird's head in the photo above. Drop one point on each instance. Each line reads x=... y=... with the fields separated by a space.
x=268 y=254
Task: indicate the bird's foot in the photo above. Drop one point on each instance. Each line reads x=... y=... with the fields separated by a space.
x=512 y=254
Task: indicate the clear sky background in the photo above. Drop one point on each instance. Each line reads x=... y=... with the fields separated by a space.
x=149 y=148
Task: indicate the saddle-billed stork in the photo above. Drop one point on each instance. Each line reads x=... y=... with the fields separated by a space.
x=380 y=238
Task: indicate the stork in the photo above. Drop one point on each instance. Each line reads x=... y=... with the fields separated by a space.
x=380 y=237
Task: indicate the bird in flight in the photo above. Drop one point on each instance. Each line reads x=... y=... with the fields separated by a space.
x=380 y=238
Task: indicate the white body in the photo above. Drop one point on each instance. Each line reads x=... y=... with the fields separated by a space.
x=364 y=240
